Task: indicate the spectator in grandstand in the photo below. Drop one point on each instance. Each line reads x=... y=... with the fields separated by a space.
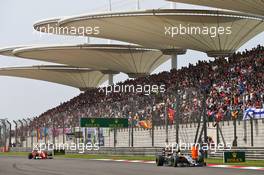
x=229 y=84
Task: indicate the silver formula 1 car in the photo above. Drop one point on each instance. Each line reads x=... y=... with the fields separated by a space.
x=175 y=159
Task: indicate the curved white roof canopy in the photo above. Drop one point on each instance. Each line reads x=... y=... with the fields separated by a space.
x=248 y=6
x=81 y=78
x=50 y=26
x=8 y=51
x=147 y=28
x=134 y=60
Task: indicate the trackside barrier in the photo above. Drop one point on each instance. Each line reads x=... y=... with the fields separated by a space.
x=59 y=152
x=20 y=149
x=251 y=153
x=122 y=151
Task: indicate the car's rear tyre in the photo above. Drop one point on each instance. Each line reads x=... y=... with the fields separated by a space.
x=50 y=154
x=30 y=156
x=159 y=161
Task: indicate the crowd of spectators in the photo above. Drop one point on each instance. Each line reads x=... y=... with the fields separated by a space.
x=227 y=85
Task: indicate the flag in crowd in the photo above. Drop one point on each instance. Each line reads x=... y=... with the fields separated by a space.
x=253 y=113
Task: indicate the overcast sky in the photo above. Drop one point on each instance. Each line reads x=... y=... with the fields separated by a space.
x=21 y=98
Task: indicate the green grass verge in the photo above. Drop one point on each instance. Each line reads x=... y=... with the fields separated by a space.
x=258 y=163
x=116 y=157
x=13 y=154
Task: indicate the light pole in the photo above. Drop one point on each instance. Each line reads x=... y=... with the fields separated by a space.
x=153 y=114
x=63 y=130
x=37 y=129
x=251 y=131
x=166 y=120
x=204 y=118
x=26 y=129
x=132 y=120
x=10 y=128
x=53 y=128
x=44 y=131
x=22 y=133
x=0 y=135
x=15 y=132
x=177 y=113
x=4 y=131
x=31 y=131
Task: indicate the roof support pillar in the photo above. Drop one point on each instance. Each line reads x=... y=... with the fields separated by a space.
x=110 y=79
x=174 y=61
x=138 y=5
x=174 y=55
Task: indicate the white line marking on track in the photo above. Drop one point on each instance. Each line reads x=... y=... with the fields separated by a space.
x=209 y=165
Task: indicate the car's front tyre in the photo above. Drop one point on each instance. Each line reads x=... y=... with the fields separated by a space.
x=30 y=156
x=159 y=160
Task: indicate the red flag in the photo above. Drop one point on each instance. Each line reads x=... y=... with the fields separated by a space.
x=171 y=113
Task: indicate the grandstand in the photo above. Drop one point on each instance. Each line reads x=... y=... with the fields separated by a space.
x=215 y=94
x=240 y=87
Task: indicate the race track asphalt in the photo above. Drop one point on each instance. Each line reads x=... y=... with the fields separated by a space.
x=23 y=166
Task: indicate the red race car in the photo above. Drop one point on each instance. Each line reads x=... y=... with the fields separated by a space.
x=40 y=154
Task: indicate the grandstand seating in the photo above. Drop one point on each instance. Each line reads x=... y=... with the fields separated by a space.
x=230 y=85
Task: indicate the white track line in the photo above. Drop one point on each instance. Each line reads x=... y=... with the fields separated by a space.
x=209 y=165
